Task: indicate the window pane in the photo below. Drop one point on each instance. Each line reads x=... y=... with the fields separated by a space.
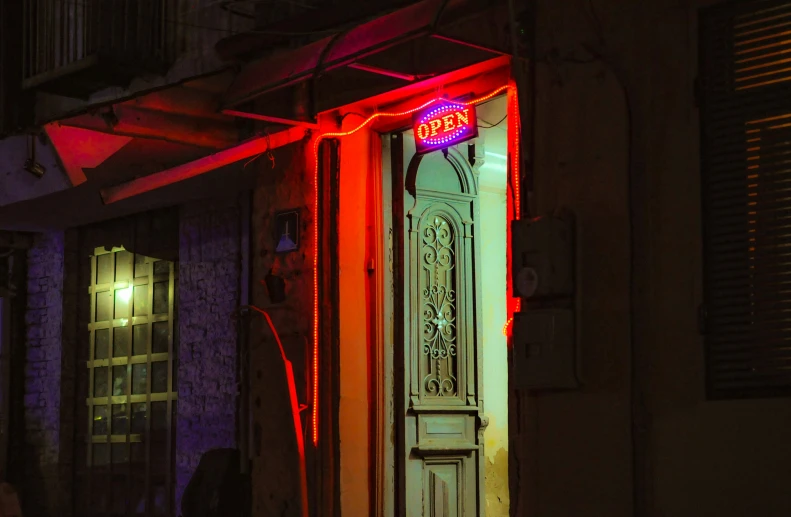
x=159 y=337
x=139 y=375
x=159 y=411
x=123 y=298
x=140 y=339
x=123 y=266
x=119 y=381
x=159 y=497
x=120 y=423
x=162 y=267
x=104 y=306
x=138 y=452
x=120 y=453
x=120 y=488
x=104 y=268
x=101 y=343
x=139 y=418
x=100 y=420
x=100 y=382
x=137 y=497
x=101 y=454
x=160 y=298
x=141 y=266
x=141 y=300
x=121 y=341
x=159 y=377
x=100 y=491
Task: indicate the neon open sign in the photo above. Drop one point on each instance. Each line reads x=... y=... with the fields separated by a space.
x=442 y=126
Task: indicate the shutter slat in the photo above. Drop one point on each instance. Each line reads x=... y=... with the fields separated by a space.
x=745 y=69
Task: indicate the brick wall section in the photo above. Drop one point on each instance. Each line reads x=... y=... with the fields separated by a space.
x=208 y=286
x=44 y=318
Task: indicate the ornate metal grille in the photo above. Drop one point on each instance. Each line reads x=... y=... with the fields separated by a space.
x=439 y=308
x=131 y=386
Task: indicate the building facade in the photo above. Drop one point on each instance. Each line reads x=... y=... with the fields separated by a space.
x=277 y=237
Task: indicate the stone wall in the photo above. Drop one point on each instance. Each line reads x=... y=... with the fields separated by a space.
x=42 y=376
x=208 y=294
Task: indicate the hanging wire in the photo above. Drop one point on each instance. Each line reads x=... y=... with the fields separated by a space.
x=495 y=124
x=268 y=152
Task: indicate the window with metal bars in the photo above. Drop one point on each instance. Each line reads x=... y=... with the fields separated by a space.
x=745 y=78
x=127 y=467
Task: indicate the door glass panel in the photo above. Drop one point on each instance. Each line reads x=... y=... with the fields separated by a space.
x=160 y=298
x=120 y=422
x=140 y=338
x=104 y=306
x=100 y=382
x=139 y=376
x=101 y=344
x=121 y=341
x=100 y=420
x=123 y=266
x=160 y=337
x=141 y=300
x=104 y=269
x=139 y=418
x=101 y=454
x=119 y=381
x=123 y=299
x=120 y=453
x=159 y=377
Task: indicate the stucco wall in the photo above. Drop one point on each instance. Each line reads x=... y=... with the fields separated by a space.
x=696 y=457
x=355 y=356
x=208 y=294
x=44 y=318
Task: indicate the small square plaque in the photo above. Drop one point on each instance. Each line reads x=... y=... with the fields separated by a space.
x=287 y=231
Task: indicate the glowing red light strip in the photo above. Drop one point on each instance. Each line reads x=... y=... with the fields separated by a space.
x=513 y=130
x=319 y=138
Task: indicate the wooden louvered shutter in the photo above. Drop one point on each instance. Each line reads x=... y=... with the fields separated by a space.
x=746 y=165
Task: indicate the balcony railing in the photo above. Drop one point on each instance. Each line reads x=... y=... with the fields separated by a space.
x=80 y=45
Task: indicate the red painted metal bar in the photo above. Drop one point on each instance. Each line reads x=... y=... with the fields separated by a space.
x=292 y=390
x=200 y=166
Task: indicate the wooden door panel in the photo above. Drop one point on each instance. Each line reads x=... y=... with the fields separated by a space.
x=442 y=442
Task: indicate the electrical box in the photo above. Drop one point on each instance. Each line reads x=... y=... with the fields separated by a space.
x=543 y=257
x=544 y=350
x=544 y=333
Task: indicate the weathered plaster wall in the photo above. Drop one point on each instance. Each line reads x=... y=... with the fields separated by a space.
x=208 y=294
x=575 y=451
x=42 y=399
x=275 y=474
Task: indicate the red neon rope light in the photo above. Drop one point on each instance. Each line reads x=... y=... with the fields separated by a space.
x=319 y=138
x=513 y=131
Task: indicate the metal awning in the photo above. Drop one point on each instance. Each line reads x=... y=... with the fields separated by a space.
x=426 y=39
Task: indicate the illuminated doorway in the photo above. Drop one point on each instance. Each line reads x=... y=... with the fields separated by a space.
x=445 y=243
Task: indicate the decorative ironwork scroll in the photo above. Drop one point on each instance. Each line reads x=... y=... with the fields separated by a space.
x=438 y=259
